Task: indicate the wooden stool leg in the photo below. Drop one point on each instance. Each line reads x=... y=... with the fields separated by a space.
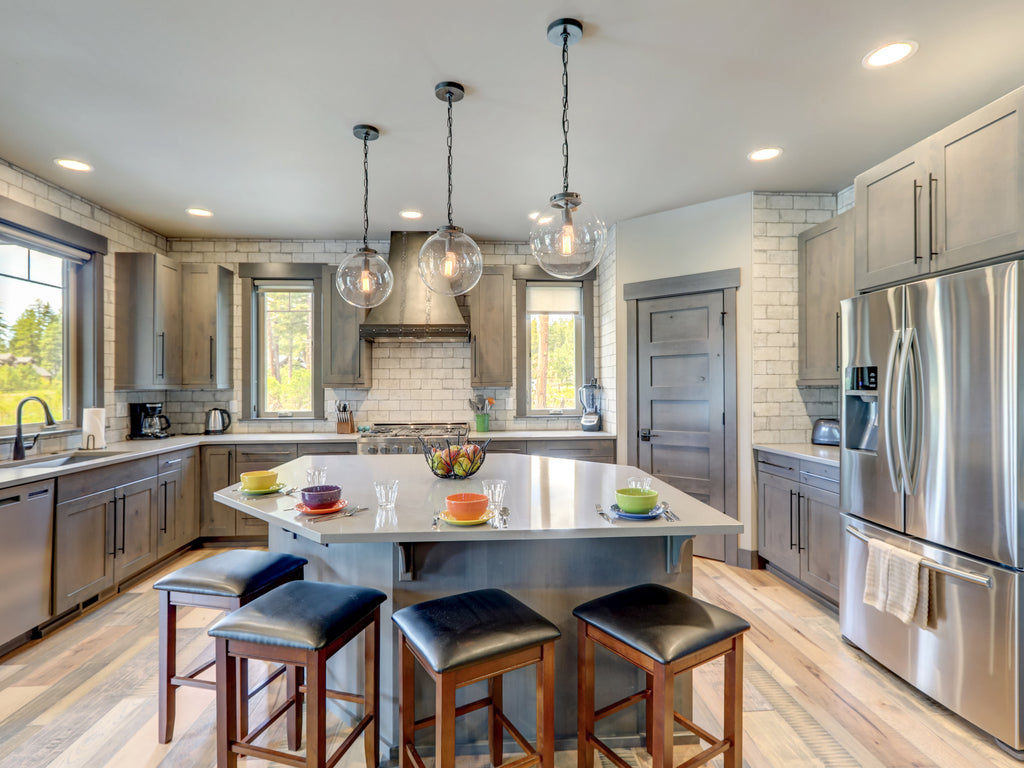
x=650 y=714
x=371 y=691
x=293 y=679
x=444 y=712
x=243 y=697
x=663 y=697
x=733 y=757
x=227 y=703
x=546 y=706
x=316 y=710
x=584 y=696
x=494 y=730
x=168 y=667
x=406 y=700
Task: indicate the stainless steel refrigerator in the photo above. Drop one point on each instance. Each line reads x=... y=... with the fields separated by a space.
x=930 y=458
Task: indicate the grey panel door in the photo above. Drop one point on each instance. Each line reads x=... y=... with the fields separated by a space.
x=681 y=399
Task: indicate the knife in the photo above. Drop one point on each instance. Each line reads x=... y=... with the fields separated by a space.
x=341 y=513
x=669 y=514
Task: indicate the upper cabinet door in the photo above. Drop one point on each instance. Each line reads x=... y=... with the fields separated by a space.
x=490 y=319
x=147 y=327
x=977 y=186
x=891 y=221
x=206 y=296
x=346 y=357
x=167 y=322
x=826 y=278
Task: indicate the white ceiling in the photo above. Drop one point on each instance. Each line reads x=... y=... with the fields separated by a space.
x=246 y=107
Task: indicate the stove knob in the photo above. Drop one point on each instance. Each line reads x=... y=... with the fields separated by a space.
x=411 y=449
x=371 y=449
x=396 y=449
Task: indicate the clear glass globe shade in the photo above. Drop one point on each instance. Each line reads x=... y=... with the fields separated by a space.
x=567 y=238
x=364 y=279
x=450 y=262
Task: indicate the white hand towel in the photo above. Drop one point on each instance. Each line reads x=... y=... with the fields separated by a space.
x=876 y=574
x=903 y=584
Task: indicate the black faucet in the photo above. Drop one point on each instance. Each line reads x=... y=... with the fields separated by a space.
x=19 y=442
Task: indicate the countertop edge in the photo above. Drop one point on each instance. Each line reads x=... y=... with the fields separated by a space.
x=823 y=454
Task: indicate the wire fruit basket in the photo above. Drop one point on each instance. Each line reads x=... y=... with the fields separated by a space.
x=454 y=460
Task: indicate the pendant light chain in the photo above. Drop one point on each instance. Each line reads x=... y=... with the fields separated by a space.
x=565 y=110
x=450 y=222
x=366 y=191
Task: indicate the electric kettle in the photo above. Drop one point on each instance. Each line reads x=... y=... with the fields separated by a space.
x=217 y=420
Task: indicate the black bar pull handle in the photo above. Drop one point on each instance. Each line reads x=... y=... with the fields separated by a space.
x=917 y=255
x=124 y=516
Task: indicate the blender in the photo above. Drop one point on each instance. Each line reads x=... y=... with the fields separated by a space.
x=591 y=418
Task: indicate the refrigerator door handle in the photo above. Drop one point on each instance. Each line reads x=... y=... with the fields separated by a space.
x=914 y=453
x=901 y=383
x=890 y=366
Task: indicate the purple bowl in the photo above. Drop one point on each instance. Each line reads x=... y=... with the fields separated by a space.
x=321 y=496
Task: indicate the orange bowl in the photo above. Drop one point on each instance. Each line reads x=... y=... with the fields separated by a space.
x=466 y=506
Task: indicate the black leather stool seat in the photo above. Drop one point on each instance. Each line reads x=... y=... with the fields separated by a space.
x=468 y=628
x=660 y=622
x=231 y=574
x=299 y=614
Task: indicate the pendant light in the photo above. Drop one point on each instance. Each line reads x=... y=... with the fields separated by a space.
x=567 y=238
x=364 y=279
x=450 y=262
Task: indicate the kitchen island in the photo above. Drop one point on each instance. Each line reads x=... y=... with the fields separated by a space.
x=553 y=553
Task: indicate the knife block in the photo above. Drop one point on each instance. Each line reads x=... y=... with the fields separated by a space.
x=345 y=424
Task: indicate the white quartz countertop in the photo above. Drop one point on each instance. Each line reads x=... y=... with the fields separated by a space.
x=824 y=454
x=129 y=450
x=547 y=498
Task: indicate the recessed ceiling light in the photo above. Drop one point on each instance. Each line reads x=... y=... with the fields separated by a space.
x=889 y=54
x=411 y=214
x=72 y=165
x=534 y=215
x=768 y=153
x=198 y=212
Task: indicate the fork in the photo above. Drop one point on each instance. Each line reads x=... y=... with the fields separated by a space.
x=669 y=514
x=601 y=512
x=342 y=513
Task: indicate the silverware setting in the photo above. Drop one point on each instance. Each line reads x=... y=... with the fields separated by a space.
x=333 y=516
x=601 y=512
x=436 y=522
x=668 y=513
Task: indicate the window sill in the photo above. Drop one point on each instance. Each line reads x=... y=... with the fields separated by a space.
x=279 y=419
x=9 y=433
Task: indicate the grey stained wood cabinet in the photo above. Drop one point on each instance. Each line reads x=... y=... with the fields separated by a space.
x=252 y=458
x=207 y=305
x=346 y=357
x=217 y=471
x=953 y=199
x=177 y=501
x=799 y=528
x=147 y=322
x=103 y=537
x=490 y=318
x=826 y=277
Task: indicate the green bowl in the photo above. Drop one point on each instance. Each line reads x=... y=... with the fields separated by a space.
x=636 y=500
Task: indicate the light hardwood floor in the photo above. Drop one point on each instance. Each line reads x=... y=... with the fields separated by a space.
x=86 y=695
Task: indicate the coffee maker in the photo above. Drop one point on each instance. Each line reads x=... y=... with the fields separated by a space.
x=146 y=421
x=590 y=421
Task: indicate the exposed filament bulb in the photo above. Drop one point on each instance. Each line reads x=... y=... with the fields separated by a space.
x=568 y=234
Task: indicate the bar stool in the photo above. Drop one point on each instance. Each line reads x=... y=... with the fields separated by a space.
x=664 y=633
x=226 y=581
x=468 y=638
x=301 y=625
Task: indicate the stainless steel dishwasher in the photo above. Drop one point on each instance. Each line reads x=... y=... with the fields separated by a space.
x=26 y=544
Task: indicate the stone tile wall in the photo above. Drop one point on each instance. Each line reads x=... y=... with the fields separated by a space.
x=783 y=412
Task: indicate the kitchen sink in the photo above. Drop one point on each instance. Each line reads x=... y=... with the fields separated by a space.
x=59 y=459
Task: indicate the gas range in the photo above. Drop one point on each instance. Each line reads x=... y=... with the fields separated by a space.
x=405 y=438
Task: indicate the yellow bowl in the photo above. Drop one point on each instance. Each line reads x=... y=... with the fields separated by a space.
x=636 y=500
x=259 y=481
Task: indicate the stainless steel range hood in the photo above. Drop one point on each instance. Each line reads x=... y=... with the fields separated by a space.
x=413 y=312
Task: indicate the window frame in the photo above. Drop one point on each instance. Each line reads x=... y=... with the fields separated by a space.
x=525 y=275
x=250 y=275
x=83 y=253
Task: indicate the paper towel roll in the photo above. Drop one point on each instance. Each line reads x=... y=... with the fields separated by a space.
x=94 y=427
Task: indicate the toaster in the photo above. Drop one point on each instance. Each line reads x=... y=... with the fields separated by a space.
x=825 y=432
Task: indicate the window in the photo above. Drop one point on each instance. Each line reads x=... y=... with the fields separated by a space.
x=555 y=342
x=282 y=354
x=35 y=327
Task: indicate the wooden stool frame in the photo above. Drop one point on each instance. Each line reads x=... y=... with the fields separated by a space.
x=659 y=699
x=170 y=680
x=230 y=744
x=445 y=711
